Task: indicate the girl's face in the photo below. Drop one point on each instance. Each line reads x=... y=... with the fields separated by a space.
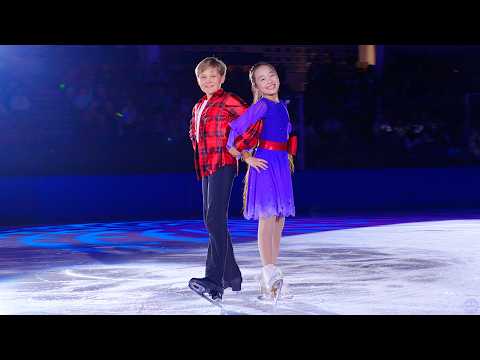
x=210 y=81
x=266 y=80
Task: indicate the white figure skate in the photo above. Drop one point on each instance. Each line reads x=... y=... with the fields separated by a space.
x=270 y=282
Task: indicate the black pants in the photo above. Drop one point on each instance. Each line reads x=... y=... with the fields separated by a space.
x=216 y=189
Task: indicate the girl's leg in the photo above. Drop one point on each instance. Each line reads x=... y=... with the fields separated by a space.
x=278 y=225
x=265 y=233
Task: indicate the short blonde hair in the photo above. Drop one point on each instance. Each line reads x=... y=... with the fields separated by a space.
x=211 y=62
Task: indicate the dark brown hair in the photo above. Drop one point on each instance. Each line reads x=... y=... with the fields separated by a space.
x=251 y=76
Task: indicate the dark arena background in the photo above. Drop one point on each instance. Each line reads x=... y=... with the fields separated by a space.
x=101 y=212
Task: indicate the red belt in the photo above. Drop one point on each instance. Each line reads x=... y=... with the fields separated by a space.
x=273 y=145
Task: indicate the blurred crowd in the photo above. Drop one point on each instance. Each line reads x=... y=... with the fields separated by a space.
x=111 y=113
x=411 y=114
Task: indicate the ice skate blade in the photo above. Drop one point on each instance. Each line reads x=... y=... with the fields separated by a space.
x=197 y=287
x=276 y=289
x=201 y=291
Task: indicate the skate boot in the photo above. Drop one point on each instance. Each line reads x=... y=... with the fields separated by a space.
x=271 y=282
x=235 y=284
x=264 y=291
x=285 y=292
x=276 y=283
x=207 y=289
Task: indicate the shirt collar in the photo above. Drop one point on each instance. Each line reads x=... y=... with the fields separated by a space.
x=217 y=93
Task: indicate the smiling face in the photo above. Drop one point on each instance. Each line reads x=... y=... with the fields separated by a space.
x=210 y=80
x=266 y=80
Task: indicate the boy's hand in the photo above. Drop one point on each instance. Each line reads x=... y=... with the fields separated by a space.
x=234 y=152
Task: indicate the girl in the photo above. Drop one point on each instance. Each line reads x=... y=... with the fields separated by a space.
x=268 y=195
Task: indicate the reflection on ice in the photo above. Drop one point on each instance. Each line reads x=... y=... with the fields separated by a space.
x=414 y=268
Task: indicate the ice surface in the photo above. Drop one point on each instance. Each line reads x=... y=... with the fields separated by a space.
x=428 y=267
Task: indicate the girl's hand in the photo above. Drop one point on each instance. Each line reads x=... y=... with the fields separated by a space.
x=256 y=163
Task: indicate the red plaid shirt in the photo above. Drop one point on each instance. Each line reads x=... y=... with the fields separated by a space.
x=210 y=151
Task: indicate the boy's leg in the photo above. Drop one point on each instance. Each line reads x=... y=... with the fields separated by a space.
x=232 y=276
x=202 y=285
x=217 y=199
x=210 y=260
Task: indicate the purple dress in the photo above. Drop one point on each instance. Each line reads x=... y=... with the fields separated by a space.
x=270 y=191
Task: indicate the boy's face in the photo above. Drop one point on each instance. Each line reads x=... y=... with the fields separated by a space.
x=210 y=80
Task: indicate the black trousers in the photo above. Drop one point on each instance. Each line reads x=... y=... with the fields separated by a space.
x=216 y=190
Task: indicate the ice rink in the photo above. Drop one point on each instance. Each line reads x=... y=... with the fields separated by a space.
x=332 y=265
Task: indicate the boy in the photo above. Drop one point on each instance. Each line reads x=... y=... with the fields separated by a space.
x=216 y=168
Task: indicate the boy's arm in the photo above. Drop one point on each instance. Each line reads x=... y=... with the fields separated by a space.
x=292 y=140
x=191 y=132
x=249 y=139
x=247 y=125
x=235 y=106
